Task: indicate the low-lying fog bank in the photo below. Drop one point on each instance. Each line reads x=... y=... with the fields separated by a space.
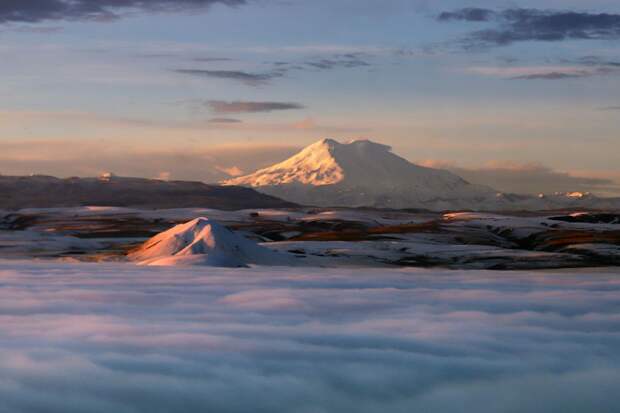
x=121 y=338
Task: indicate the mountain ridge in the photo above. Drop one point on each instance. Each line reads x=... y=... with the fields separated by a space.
x=42 y=191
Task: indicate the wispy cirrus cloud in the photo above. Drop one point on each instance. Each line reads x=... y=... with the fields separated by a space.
x=520 y=24
x=235 y=107
x=544 y=72
x=598 y=61
x=37 y=29
x=248 y=78
x=212 y=59
x=347 y=60
x=35 y=11
x=225 y=120
x=351 y=60
x=556 y=75
x=280 y=69
x=469 y=14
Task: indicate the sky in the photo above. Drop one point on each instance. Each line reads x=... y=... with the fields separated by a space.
x=521 y=95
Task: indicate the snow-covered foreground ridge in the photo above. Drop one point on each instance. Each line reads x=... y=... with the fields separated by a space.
x=314 y=237
x=122 y=338
x=365 y=173
x=204 y=241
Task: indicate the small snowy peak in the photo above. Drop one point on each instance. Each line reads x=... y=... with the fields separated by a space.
x=204 y=242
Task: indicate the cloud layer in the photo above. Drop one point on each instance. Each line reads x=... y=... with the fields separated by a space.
x=518 y=25
x=235 y=107
x=248 y=78
x=574 y=70
x=34 y=11
x=280 y=69
x=196 y=164
x=529 y=178
x=101 y=338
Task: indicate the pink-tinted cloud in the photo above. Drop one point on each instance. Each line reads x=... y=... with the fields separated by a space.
x=68 y=158
x=533 y=178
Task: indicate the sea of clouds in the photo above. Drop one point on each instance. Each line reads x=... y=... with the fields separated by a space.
x=119 y=338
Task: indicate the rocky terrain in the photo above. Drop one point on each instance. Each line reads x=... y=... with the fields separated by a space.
x=319 y=237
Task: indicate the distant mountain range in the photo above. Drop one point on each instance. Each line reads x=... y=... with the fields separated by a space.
x=367 y=174
x=325 y=174
x=40 y=191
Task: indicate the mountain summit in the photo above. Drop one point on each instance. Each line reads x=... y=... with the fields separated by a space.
x=361 y=173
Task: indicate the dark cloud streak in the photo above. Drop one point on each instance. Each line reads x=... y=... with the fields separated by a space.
x=248 y=78
x=467 y=14
x=348 y=61
x=225 y=120
x=223 y=107
x=598 y=61
x=35 y=11
x=518 y=25
x=279 y=69
x=553 y=76
x=212 y=59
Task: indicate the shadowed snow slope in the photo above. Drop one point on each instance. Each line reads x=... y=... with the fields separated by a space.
x=359 y=173
x=205 y=242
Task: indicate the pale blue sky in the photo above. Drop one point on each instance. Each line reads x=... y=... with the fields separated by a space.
x=387 y=70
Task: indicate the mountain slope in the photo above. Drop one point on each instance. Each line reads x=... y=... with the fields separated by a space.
x=361 y=173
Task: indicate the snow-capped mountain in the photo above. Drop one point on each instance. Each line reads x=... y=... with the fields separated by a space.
x=204 y=242
x=362 y=173
x=365 y=173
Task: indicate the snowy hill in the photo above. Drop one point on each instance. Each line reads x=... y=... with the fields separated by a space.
x=204 y=242
x=361 y=173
